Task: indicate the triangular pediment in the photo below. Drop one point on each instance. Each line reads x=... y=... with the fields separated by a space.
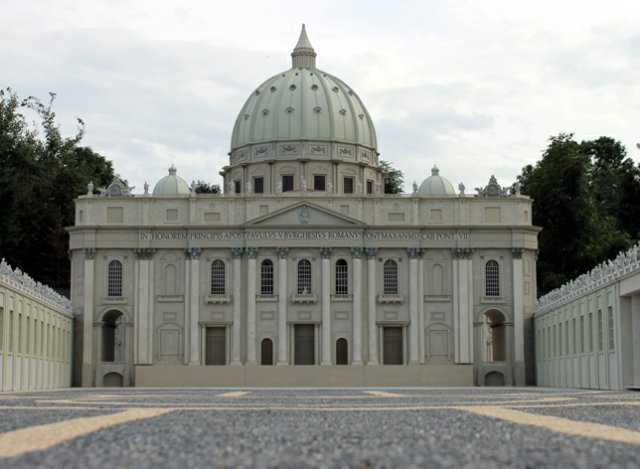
x=305 y=215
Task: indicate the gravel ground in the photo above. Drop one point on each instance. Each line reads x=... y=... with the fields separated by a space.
x=325 y=428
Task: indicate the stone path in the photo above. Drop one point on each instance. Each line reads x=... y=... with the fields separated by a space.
x=400 y=427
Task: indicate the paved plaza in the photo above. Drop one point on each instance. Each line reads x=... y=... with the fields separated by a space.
x=399 y=427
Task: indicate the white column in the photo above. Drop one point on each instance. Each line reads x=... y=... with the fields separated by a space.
x=356 y=254
x=413 y=305
x=88 y=312
x=193 y=308
x=236 y=336
x=282 y=305
x=518 y=316
x=325 y=252
x=371 y=305
x=251 y=305
x=421 y=305
x=143 y=320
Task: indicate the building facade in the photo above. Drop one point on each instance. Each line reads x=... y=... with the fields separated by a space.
x=36 y=331
x=588 y=331
x=303 y=272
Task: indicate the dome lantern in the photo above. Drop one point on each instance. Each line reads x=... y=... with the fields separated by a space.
x=303 y=55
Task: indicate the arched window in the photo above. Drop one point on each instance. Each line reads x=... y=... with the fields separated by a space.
x=492 y=278
x=217 y=277
x=342 y=352
x=170 y=280
x=390 y=277
x=114 y=280
x=266 y=277
x=304 y=277
x=342 y=277
x=437 y=280
x=266 y=352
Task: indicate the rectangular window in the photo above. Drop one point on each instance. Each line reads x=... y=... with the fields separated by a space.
x=216 y=346
x=369 y=186
x=566 y=338
x=1 y=328
x=258 y=185
x=392 y=346
x=575 y=336
x=319 y=182
x=347 y=184
x=581 y=335
x=304 y=344
x=554 y=349
x=611 y=327
x=600 y=331
x=287 y=182
x=237 y=186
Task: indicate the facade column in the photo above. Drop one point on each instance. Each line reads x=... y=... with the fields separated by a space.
x=356 y=254
x=282 y=305
x=372 y=253
x=251 y=305
x=88 y=317
x=236 y=327
x=413 y=305
x=193 y=306
x=143 y=328
x=463 y=304
x=421 y=344
x=325 y=252
x=518 y=316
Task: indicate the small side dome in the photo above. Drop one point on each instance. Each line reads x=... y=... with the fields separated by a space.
x=435 y=185
x=171 y=185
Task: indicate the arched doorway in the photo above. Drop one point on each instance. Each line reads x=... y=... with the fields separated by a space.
x=493 y=352
x=494 y=337
x=113 y=380
x=342 y=352
x=113 y=337
x=266 y=352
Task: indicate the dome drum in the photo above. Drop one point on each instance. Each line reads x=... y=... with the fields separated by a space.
x=297 y=149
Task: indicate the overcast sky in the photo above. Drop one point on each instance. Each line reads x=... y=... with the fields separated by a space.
x=475 y=87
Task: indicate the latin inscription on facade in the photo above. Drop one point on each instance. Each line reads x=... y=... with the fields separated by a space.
x=302 y=235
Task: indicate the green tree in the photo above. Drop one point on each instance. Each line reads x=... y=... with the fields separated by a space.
x=575 y=187
x=393 y=178
x=203 y=187
x=40 y=175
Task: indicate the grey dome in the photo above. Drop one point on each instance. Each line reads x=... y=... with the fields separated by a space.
x=171 y=185
x=436 y=185
x=304 y=103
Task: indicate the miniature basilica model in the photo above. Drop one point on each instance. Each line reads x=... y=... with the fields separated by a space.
x=303 y=272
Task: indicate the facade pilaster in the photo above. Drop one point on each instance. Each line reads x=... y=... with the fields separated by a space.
x=325 y=253
x=88 y=316
x=413 y=305
x=371 y=305
x=421 y=344
x=518 y=315
x=356 y=255
x=463 y=304
x=193 y=306
x=236 y=327
x=282 y=305
x=252 y=253
x=143 y=354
